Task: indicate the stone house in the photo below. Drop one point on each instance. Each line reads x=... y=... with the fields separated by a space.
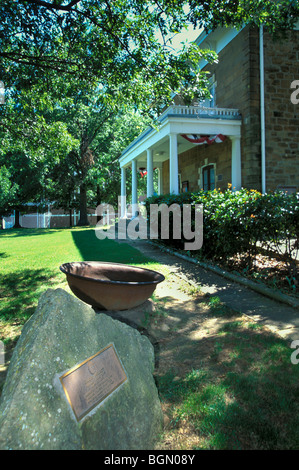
x=246 y=135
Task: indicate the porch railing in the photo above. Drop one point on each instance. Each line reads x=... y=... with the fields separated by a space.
x=190 y=111
x=199 y=111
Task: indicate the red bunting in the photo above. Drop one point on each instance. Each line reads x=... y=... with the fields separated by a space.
x=204 y=139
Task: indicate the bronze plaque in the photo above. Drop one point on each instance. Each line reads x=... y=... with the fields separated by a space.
x=89 y=383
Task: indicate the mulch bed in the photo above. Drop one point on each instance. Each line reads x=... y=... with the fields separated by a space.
x=266 y=268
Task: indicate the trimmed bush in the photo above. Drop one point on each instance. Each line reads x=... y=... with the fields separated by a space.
x=237 y=222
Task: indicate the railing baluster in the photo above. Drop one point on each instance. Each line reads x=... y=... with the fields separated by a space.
x=199 y=110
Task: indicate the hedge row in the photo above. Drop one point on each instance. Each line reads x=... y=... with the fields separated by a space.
x=236 y=222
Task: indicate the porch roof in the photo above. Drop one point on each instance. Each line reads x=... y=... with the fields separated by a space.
x=181 y=120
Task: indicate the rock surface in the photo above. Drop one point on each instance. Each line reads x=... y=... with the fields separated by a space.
x=34 y=412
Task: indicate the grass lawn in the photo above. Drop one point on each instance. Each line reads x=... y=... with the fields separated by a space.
x=243 y=396
x=29 y=264
x=240 y=390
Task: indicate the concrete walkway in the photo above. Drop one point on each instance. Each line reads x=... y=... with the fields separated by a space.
x=279 y=317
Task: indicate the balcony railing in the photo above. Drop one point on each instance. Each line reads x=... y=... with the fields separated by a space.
x=193 y=112
x=201 y=111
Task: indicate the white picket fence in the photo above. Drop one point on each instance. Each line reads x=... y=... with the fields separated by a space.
x=29 y=220
x=38 y=220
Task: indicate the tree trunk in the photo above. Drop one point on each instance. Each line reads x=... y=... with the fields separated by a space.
x=83 y=206
x=99 y=217
x=1 y=222
x=17 y=220
x=71 y=214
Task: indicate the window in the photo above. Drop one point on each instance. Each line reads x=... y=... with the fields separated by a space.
x=180 y=182
x=211 y=102
x=208 y=177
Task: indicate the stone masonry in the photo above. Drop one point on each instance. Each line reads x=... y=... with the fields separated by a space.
x=238 y=86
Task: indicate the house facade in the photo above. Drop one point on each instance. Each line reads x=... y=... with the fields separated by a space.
x=246 y=135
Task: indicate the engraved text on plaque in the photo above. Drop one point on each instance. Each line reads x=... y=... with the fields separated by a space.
x=89 y=383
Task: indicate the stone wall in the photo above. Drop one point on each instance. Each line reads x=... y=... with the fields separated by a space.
x=238 y=86
x=190 y=163
x=282 y=117
x=237 y=77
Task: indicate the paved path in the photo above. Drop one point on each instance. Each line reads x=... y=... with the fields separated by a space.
x=277 y=316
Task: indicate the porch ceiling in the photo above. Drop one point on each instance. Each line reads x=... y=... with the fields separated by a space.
x=181 y=120
x=161 y=151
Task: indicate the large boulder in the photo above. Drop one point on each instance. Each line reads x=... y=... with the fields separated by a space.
x=34 y=410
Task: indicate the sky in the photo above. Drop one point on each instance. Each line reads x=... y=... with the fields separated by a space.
x=189 y=35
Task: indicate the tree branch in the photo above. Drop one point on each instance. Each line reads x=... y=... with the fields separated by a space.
x=45 y=62
x=96 y=130
x=54 y=6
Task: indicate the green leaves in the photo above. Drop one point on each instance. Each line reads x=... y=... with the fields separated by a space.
x=8 y=191
x=125 y=44
x=276 y=16
x=234 y=222
x=69 y=67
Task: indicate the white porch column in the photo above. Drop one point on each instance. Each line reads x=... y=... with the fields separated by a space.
x=236 y=163
x=150 y=174
x=173 y=164
x=123 y=194
x=134 y=188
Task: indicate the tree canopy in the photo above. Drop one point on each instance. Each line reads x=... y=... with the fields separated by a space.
x=77 y=71
x=119 y=42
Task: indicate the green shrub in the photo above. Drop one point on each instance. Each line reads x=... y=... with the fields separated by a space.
x=235 y=222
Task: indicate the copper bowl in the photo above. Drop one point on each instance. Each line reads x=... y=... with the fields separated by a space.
x=111 y=286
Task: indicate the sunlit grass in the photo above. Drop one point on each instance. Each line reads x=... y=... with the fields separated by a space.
x=30 y=260
x=29 y=265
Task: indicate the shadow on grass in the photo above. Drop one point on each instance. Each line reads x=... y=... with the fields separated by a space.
x=27 y=232
x=19 y=292
x=93 y=249
x=242 y=391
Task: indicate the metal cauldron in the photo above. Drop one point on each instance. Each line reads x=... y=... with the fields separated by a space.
x=111 y=286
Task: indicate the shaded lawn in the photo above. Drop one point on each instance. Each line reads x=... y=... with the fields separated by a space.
x=30 y=260
x=244 y=395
